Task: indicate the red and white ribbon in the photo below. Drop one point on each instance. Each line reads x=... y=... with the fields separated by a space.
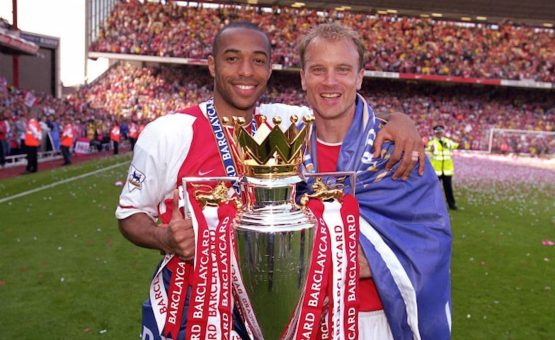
x=318 y=275
x=350 y=217
x=328 y=308
x=159 y=295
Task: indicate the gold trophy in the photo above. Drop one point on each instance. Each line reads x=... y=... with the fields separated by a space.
x=274 y=235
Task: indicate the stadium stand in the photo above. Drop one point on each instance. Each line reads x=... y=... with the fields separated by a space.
x=15 y=104
x=469 y=112
x=129 y=92
x=407 y=45
x=410 y=45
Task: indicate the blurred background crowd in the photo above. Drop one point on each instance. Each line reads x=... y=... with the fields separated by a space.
x=133 y=93
x=395 y=44
x=128 y=93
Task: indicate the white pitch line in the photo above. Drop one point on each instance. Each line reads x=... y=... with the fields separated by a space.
x=48 y=186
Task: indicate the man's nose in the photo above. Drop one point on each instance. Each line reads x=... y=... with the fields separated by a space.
x=246 y=68
x=330 y=78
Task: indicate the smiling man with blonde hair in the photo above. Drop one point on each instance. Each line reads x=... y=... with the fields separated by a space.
x=405 y=238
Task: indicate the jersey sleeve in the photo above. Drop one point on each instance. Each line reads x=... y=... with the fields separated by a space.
x=157 y=157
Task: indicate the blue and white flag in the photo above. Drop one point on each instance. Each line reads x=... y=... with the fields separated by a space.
x=405 y=233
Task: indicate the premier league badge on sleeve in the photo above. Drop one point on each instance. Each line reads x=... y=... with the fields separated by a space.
x=135 y=179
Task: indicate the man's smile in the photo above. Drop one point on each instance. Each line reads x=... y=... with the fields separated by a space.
x=330 y=95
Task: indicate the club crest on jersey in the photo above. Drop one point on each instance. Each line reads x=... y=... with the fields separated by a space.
x=135 y=179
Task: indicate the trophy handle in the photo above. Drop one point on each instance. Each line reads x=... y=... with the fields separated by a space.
x=321 y=189
x=189 y=180
x=351 y=174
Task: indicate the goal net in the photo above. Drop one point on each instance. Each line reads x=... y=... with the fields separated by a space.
x=528 y=142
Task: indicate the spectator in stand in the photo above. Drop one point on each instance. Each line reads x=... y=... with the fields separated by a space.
x=78 y=127
x=54 y=132
x=4 y=139
x=99 y=135
x=91 y=130
x=20 y=131
x=45 y=131
x=67 y=140
x=115 y=137
x=33 y=137
x=133 y=133
x=12 y=140
x=10 y=133
x=124 y=129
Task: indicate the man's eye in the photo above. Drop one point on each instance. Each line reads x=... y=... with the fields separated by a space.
x=344 y=70
x=231 y=59
x=260 y=61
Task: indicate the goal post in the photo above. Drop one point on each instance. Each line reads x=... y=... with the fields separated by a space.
x=515 y=141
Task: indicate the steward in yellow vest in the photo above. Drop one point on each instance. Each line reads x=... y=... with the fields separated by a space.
x=440 y=150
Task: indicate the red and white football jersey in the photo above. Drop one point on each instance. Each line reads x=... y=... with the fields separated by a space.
x=172 y=147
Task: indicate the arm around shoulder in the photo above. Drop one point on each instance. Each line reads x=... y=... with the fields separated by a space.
x=409 y=149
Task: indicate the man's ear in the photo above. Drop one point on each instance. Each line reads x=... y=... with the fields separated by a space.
x=360 y=78
x=302 y=80
x=212 y=66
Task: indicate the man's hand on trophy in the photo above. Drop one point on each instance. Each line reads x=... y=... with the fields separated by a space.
x=401 y=130
x=179 y=236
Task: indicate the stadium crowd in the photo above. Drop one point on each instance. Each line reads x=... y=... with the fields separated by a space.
x=134 y=94
x=17 y=106
x=395 y=44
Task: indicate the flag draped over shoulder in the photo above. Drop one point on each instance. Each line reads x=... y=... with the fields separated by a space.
x=404 y=232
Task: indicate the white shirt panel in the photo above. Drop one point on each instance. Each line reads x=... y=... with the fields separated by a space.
x=157 y=157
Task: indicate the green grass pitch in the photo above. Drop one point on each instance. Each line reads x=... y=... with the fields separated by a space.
x=67 y=273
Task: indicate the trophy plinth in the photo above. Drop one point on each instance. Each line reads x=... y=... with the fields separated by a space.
x=274 y=235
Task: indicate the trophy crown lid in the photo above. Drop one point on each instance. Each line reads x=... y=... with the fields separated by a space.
x=272 y=150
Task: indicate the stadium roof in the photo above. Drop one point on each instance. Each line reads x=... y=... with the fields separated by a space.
x=535 y=12
x=12 y=43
